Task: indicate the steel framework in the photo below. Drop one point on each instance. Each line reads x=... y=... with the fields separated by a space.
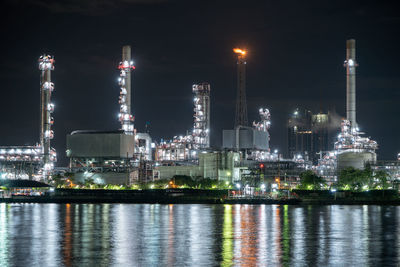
x=125 y=66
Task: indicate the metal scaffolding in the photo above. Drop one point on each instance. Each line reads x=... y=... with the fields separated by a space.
x=350 y=139
x=46 y=65
x=263 y=126
x=241 y=105
x=201 y=126
x=125 y=66
x=187 y=148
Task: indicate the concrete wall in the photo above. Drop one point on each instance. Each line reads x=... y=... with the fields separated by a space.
x=103 y=178
x=167 y=172
x=219 y=165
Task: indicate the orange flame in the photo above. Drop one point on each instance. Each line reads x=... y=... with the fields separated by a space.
x=239 y=51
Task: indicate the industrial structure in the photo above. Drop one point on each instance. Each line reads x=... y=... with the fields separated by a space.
x=125 y=97
x=201 y=125
x=34 y=162
x=351 y=64
x=126 y=156
x=310 y=134
x=262 y=153
x=350 y=148
x=251 y=141
x=46 y=66
x=111 y=156
x=218 y=165
x=241 y=105
x=188 y=147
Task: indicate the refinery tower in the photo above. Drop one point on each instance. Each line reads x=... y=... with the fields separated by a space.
x=252 y=141
x=351 y=65
x=351 y=148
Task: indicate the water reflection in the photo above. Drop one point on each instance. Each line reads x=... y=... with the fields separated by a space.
x=204 y=235
x=227 y=235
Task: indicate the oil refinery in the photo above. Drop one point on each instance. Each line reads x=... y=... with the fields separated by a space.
x=37 y=161
x=126 y=156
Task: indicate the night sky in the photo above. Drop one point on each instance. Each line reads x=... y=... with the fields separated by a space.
x=296 y=53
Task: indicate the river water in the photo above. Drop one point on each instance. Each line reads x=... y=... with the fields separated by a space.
x=198 y=235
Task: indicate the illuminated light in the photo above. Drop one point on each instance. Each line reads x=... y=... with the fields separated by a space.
x=238 y=186
x=239 y=51
x=262 y=166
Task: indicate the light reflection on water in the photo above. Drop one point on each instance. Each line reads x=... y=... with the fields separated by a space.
x=198 y=235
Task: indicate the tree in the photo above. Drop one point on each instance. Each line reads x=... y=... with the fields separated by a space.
x=183 y=181
x=310 y=181
x=382 y=179
x=355 y=179
x=206 y=183
x=160 y=184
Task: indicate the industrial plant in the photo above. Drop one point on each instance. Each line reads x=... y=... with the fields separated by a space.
x=316 y=141
x=35 y=161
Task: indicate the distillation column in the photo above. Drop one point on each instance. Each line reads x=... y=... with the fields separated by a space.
x=201 y=126
x=241 y=106
x=351 y=65
x=125 y=67
x=46 y=65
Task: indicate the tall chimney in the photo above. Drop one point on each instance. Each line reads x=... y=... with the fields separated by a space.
x=126 y=57
x=126 y=66
x=351 y=65
x=241 y=105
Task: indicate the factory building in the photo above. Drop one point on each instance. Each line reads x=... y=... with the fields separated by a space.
x=391 y=168
x=277 y=174
x=219 y=165
x=188 y=147
x=300 y=134
x=112 y=156
x=310 y=134
x=105 y=157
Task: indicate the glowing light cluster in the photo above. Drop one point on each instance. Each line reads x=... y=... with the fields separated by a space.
x=263 y=125
x=240 y=51
x=188 y=147
x=349 y=138
x=48 y=155
x=46 y=62
x=201 y=126
x=126 y=119
x=265 y=122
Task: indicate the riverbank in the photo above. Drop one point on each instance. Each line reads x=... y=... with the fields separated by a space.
x=202 y=196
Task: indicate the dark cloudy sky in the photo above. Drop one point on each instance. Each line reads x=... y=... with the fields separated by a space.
x=296 y=54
